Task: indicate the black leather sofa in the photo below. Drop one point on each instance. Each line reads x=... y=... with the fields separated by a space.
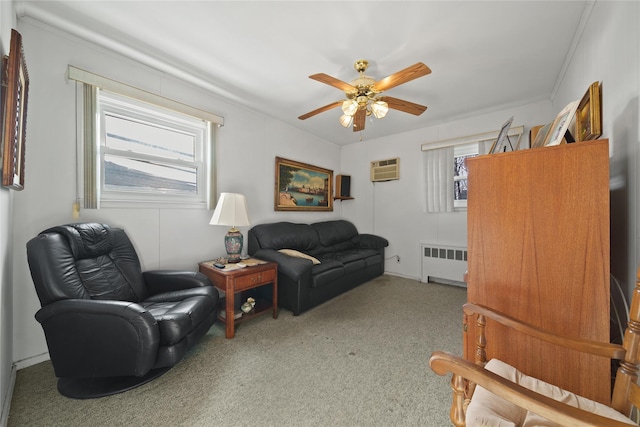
x=317 y=262
x=109 y=326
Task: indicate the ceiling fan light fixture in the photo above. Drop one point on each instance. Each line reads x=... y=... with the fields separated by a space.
x=349 y=107
x=379 y=109
x=346 y=120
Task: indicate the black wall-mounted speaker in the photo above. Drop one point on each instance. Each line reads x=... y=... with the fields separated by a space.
x=343 y=186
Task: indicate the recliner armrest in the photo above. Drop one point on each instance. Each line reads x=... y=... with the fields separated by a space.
x=182 y=294
x=162 y=281
x=87 y=338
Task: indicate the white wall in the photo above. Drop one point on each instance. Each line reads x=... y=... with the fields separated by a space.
x=608 y=52
x=165 y=238
x=395 y=209
x=7 y=22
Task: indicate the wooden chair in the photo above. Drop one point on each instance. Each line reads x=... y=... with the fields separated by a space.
x=476 y=387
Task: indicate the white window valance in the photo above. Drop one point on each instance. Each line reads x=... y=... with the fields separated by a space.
x=110 y=85
x=479 y=137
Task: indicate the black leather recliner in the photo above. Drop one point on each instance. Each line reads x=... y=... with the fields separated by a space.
x=109 y=326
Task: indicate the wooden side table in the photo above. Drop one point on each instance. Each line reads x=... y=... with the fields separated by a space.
x=234 y=280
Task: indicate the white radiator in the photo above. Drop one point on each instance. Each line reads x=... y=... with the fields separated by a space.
x=443 y=264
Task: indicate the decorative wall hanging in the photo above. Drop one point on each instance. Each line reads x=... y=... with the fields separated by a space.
x=15 y=92
x=302 y=187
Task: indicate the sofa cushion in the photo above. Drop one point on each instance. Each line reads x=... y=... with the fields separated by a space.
x=353 y=266
x=334 y=232
x=286 y=235
x=326 y=273
x=342 y=257
x=298 y=254
x=176 y=319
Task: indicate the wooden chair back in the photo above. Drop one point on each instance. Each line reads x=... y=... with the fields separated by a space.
x=626 y=391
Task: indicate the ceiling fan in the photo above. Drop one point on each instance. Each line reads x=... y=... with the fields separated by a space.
x=363 y=95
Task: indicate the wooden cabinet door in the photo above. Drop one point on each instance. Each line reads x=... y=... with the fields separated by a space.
x=538 y=250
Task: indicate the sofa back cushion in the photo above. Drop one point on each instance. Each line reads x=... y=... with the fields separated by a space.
x=336 y=232
x=284 y=235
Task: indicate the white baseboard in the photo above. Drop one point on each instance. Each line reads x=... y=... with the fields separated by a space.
x=6 y=405
x=30 y=361
x=24 y=363
x=406 y=276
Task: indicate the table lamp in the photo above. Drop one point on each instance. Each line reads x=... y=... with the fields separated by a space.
x=231 y=210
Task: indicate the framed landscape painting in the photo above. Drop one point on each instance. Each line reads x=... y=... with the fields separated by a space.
x=302 y=187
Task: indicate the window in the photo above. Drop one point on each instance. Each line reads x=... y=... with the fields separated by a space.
x=445 y=169
x=460 y=184
x=136 y=148
x=149 y=153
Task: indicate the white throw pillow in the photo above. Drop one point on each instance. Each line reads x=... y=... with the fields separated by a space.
x=298 y=254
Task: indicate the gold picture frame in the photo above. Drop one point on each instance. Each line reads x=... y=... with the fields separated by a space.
x=588 y=122
x=15 y=91
x=302 y=187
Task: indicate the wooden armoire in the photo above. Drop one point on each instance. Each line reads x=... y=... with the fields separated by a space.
x=538 y=250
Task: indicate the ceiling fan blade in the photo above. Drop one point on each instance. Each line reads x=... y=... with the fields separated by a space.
x=321 y=110
x=359 y=119
x=403 y=76
x=404 y=106
x=332 y=81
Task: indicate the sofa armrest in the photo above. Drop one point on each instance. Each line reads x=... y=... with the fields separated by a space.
x=162 y=281
x=99 y=338
x=370 y=241
x=291 y=267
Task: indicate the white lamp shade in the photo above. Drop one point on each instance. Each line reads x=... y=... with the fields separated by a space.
x=231 y=210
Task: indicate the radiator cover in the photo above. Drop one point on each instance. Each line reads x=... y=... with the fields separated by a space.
x=443 y=263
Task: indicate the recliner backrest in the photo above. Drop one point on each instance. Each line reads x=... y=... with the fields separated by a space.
x=86 y=261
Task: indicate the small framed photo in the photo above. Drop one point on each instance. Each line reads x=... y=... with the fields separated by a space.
x=561 y=124
x=502 y=143
x=588 y=121
x=14 y=105
x=541 y=135
x=302 y=187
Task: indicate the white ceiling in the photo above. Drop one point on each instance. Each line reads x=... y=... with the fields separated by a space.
x=484 y=55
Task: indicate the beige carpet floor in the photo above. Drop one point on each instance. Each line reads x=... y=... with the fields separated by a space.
x=360 y=359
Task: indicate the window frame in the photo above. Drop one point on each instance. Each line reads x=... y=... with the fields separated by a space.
x=87 y=154
x=120 y=106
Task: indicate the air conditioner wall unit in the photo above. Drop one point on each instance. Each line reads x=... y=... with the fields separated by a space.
x=385 y=170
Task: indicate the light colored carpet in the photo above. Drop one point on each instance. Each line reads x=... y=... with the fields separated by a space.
x=360 y=359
